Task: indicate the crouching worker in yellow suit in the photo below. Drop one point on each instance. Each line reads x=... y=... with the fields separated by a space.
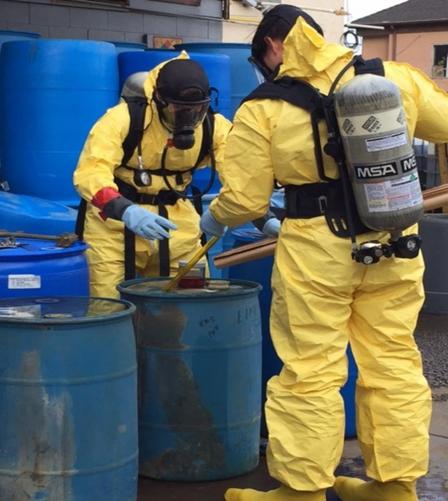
x=322 y=298
x=133 y=177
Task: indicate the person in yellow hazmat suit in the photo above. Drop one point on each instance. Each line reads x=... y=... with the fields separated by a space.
x=322 y=298
x=133 y=176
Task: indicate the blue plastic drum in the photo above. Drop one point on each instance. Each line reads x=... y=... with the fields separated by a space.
x=11 y=36
x=223 y=244
x=51 y=94
x=68 y=400
x=32 y=214
x=34 y=267
x=199 y=356
x=128 y=46
x=136 y=61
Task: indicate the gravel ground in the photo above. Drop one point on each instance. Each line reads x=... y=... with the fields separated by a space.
x=431 y=336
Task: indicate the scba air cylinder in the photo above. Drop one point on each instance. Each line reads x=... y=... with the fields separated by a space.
x=379 y=153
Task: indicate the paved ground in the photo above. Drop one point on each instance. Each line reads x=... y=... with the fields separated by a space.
x=432 y=337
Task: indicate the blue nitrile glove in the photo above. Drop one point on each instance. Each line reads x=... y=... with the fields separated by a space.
x=271 y=227
x=210 y=226
x=147 y=224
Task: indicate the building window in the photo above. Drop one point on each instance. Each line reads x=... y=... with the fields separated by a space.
x=440 y=66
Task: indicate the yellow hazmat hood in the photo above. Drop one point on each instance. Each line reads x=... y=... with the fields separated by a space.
x=309 y=56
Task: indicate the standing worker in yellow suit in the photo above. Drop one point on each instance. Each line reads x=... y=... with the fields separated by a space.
x=135 y=195
x=322 y=298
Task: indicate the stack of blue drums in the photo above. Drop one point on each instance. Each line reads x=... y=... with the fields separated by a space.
x=128 y=46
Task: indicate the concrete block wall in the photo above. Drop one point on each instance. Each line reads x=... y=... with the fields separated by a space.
x=136 y=23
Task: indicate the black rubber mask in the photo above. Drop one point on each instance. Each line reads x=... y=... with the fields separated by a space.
x=182 y=119
x=182 y=97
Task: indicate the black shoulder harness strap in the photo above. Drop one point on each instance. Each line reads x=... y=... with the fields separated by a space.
x=297 y=92
x=207 y=137
x=137 y=109
x=305 y=96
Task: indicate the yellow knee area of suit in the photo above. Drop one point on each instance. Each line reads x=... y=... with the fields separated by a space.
x=355 y=489
x=280 y=494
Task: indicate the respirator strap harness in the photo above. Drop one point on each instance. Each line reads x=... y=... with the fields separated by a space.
x=207 y=139
x=142 y=176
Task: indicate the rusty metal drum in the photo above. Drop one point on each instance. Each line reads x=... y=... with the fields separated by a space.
x=199 y=358
x=68 y=400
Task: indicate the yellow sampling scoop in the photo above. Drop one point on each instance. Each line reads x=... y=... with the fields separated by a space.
x=172 y=284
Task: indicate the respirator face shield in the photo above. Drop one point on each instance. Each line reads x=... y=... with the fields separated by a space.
x=262 y=72
x=180 y=114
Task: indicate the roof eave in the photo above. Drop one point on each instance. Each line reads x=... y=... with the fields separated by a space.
x=390 y=24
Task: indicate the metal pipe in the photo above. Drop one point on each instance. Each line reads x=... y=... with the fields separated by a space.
x=338 y=12
x=364 y=26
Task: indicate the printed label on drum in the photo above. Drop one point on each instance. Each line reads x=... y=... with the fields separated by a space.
x=402 y=193
x=24 y=282
x=386 y=142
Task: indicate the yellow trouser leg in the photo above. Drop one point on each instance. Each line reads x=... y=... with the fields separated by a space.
x=280 y=494
x=309 y=329
x=354 y=489
x=392 y=396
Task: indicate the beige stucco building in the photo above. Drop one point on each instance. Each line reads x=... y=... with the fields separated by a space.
x=414 y=32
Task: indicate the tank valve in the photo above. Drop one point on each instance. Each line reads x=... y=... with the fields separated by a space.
x=371 y=252
x=368 y=252
x=407 y=247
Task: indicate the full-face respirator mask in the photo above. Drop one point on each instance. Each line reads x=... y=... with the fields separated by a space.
x=182 y=97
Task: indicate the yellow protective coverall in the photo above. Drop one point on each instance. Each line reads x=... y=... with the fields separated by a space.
x=100 y=162
x=322 y=299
